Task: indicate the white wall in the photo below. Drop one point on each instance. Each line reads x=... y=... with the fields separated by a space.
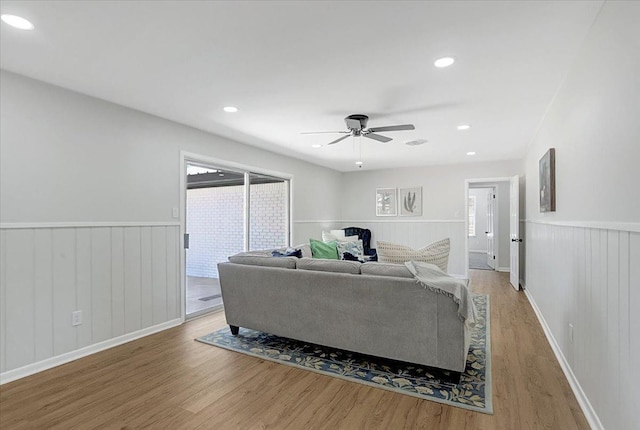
x=478 y=243
x=583 y=261
x=443 y=197
x=100 y=169
x=69 y=157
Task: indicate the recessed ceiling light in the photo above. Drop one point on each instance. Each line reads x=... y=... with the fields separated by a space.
x=316 y=146
x=464 y=127
x=444 y=62
x=220 y=174
x=471 y=153
x=416 y=142
x=359 y=163
x=17 y=22
x=230 y=109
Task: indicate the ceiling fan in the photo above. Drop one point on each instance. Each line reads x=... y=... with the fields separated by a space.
x=357 y=126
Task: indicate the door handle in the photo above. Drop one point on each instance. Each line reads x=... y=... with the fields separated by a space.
x=516 y=240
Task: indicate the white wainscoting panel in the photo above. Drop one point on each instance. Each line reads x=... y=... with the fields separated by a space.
x=414 y=233
x=590 y=278
x=123 y=278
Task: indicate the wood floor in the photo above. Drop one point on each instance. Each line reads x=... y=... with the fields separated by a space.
x=169 y=381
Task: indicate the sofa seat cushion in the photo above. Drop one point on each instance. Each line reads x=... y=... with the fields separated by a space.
x=254 y=259
x=386 y=269
x=435 y=253
x=321 y=265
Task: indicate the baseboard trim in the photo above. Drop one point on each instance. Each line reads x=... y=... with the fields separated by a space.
x=478 y=251
x=503 y=269
x=30 y=369
x=583 y=400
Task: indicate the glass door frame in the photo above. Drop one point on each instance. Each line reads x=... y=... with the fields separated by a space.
x=193 y=158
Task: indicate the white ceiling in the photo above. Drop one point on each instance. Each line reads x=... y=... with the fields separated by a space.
x=303 y=66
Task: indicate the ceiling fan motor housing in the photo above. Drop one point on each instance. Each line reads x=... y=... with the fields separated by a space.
x=356 y=122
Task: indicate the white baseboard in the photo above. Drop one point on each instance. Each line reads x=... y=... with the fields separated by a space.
x=478 y=251
x=30 y=369
x=503 y=269
x=583 y=400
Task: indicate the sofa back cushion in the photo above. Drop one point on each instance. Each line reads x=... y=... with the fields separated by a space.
x=435 y=253
x=253 y=259
x=338 y=266
x=385 y=269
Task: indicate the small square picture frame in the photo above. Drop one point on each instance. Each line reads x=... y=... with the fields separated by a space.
x=410 y=201
x=386 y=202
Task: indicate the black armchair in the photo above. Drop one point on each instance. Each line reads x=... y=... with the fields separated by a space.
x=365 y=235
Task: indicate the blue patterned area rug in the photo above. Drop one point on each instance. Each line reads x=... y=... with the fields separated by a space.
x=472 y=392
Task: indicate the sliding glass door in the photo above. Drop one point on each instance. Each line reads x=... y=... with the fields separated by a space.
x=228 y=210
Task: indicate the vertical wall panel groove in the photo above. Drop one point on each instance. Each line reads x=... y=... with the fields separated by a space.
x=3 y=300
x=132 y=279
x=20 y=309
x=43 y=293
x=105 y=272
x=84 y=332
x=633 y=385
x=589 y=277
x=159 y=273
x=173 y=282
x=64 y=290
x=612 y=333
x=117 y=281
x=146 y=303
x=101 y=283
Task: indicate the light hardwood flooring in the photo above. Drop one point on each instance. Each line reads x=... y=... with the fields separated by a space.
x=169 y=381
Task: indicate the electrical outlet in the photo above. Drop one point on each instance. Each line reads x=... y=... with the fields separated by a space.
x=76 y=318
x=175 y=213
x=571 y=333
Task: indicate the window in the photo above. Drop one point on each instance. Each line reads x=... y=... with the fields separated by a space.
x=472 y=215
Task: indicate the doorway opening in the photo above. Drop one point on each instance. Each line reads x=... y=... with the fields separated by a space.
x=228 y=208
x=492 y=219
x=484 y=222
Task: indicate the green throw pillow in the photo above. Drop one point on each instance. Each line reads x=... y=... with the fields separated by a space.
x=321 y=249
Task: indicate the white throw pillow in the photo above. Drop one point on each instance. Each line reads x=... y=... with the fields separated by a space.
x=328 y=237
x=337 y=233
x=435 y=253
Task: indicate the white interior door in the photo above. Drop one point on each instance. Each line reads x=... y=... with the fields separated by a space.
x=491 y=252
x=514 y=232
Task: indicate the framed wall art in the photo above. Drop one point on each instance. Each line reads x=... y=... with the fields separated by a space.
x=411 y=201
x=386 y=202
x=547 y=168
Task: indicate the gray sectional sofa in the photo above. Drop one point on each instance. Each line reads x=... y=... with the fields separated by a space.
x=372 y=308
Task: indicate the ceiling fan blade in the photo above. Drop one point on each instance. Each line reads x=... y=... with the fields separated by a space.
x=339 y=139
x=378 y=137
x=320 y=132
x=353 y=123
x=393 y=128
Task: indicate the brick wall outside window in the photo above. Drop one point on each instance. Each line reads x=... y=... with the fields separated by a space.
x=215 y=218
